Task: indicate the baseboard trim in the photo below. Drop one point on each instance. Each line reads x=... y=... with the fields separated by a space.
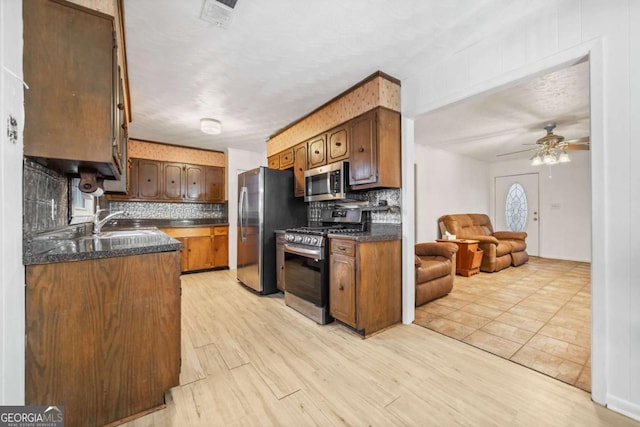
x=623 y=407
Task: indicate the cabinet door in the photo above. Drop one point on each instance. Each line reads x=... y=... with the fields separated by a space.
x=338 y=143
x=299 y=166
x=363 y=166
x=317 y=155
x=184 y=253
x=195 y=183
x=173 y=181
x=274 y=161
x=214 y=184
x=200 y=253
x=221 y=246
x=68 y=62
x=280 y=262
x=342 y=288
x=286 y=159
x=149 y=179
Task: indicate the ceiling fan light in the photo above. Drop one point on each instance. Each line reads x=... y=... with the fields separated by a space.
x=549 y=159
x=563 y=157
x=210 y=126
x=536 y=161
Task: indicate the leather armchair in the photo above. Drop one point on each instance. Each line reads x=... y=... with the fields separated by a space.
x=501 y=248
x=435 y=264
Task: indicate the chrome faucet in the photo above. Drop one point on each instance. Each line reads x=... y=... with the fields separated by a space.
x=98 y=223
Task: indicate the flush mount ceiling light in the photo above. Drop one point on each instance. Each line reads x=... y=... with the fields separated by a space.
x=210 y=126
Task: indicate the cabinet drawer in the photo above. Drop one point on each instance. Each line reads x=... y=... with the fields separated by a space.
x=188 y=232
x=343 y=247
x=220 y=231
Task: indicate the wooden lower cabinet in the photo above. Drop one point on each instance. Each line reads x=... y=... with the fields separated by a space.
x=103 y=335
x=280 y=256
x=204 y=247
x=364 y=292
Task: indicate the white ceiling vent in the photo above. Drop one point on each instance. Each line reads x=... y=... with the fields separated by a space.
x=218 y=12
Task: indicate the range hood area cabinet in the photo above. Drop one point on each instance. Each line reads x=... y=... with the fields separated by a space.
x=370 y=143
x=158 y=181
x=71 y=107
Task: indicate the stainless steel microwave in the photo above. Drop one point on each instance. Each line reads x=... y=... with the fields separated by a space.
x=326 y=182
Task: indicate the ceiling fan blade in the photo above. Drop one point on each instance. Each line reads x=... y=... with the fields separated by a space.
x=577 y=147
x=583 y=140
x=515 y=152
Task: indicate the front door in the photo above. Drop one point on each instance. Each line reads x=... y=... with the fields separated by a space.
x=517 y=209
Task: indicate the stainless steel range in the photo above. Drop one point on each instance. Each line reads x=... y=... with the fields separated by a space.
x=306 y=266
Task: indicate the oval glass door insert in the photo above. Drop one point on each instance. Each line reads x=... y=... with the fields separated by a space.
x=516 y=208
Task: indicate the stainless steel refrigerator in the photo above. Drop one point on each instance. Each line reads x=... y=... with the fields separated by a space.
x=265 y=204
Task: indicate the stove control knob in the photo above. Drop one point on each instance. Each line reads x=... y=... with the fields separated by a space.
x=307 y=240
x=298 y=239
x=314 y=241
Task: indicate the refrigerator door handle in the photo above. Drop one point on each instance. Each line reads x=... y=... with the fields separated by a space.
x=241 y=210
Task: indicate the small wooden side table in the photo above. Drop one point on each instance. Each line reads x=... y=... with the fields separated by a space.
x=468 y=258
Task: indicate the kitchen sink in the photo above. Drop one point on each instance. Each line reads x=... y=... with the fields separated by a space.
x=124 y=233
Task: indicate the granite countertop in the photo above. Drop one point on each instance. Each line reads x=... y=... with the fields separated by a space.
x=168 y=223
x=376 y=233
x=75 y=242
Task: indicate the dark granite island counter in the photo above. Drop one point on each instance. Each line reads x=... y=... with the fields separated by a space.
x=102 y=322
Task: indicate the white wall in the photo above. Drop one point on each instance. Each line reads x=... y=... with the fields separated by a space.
x=238 y=161
x=446 y=183
x=564 y=202
x=11 y=269
x=550 y=35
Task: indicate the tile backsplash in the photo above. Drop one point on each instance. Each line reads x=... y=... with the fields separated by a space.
x=45 y=200
x=390 y=196
x=159 y=210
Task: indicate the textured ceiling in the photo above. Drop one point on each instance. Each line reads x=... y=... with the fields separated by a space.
x=280 y=59
x=502 y=121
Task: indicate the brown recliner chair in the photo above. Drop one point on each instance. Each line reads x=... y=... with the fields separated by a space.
x=435 y=270
x=501 y=248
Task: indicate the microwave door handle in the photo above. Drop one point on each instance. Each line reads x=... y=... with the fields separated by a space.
x=329 y=186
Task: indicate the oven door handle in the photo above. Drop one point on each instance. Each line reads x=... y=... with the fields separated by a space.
x=297 y=250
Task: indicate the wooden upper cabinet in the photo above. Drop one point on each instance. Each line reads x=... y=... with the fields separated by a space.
x=149 y=179
x=375 y=158
x=274 y=161
x=173 y=181
x=286 y=159
x=299 y=166
x=214 y=184
x=316 y=151
x=363 y=160
x=338 y=144
x=194 y=182
x=154 y=180
x=69 y=61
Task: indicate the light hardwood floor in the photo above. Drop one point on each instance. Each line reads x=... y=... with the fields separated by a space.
x=537 y=315
x=252 y=361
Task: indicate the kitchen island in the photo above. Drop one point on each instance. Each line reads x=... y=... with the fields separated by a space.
x=102 y=322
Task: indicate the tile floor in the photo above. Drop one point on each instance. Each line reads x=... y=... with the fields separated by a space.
x=537 y=315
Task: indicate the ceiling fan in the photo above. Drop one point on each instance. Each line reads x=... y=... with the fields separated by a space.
x=552 y=148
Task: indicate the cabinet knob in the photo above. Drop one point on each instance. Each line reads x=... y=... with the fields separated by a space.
x=317 y=152
x=341 y=287
x=173 y=182
x=338 y=144
x=120 y=106
x=361 y=149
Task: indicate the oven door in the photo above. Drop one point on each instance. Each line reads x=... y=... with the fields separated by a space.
x=306 y=273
